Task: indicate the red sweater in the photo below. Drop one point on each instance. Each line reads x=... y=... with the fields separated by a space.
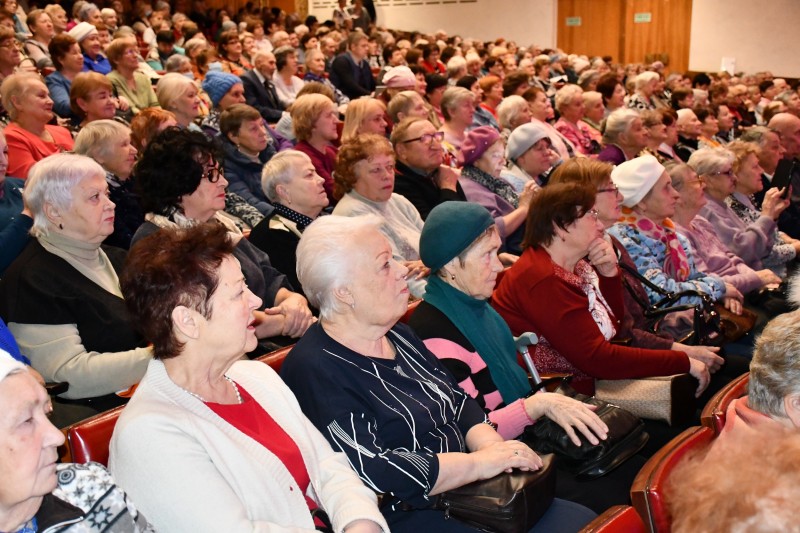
x=25 y=148
x=532 y=298
x=323 y=163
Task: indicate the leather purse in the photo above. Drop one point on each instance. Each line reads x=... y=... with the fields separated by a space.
x=667 y=398
x=506 y=503
x=626 y=436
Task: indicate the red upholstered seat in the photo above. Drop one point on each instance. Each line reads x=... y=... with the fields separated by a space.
x=275 y=359
x=647 y=491
x=618 y=519
x=88 y=440
x=713 y=415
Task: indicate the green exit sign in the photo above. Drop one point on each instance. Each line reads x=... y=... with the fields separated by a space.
x=574 y=21
x=640 y=18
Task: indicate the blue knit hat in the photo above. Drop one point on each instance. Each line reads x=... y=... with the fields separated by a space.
x=217 y=84
x=449 y=230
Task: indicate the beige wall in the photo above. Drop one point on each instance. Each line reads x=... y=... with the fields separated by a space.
x=761 y=35
x=524 y=21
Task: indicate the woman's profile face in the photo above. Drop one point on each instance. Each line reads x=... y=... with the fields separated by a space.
x=90 y=217
x=252 y=135
x=209 y=196
x=187 y=106
x=28 y=441
x=304 y=191
x=123 y=157
x=478 y=274
x=583 y=231
x=660 y=202
x=693 y=191
x=234 y=96
x=91 y=45
x=617 y=99
x=73 y=59
x=493 y=159
x=373 y=122
x=540 y=107
x=316 y=64
x=99 y=104
x=608 y=203
x=375 y=177
x=748 y=179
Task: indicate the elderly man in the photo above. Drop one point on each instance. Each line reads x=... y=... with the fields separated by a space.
x=530 y=155
x=350 y=72
x=787 y=126
x=770 y=152
x=689 y=130
x=419 y=173
x=259 y=90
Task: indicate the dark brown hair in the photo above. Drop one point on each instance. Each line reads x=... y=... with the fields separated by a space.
x=557 y=205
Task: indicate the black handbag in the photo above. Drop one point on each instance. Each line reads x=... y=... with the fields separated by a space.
x=626 y=436
x=506 y=503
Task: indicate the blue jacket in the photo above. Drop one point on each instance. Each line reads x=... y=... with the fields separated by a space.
x=244 y=175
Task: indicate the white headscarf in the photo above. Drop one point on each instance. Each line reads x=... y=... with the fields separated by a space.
x=9 y=365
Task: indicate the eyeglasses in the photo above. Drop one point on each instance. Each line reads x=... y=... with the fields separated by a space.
x=427 y=138
x=728 y=173
x=613 y=189
x=698 y=179
x=213 y=174
x=594 y=213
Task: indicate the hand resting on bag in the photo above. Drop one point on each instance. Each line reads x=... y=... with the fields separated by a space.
x=568 y=413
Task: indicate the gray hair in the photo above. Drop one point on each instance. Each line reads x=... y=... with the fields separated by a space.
x=99 y=139
x=401 y=103
x=86 y=10
x=678 y=172
x=775 y=368
x=566 y=95
x=644 y=78
x=707 y=161
x=509 y=109
x=16 y=86
x=176 y=62
x=195 y=42
x=757 y=135
x=171 y=87
x=324 y=258
x=280 y=170
x=617 y=123
x=50 y=181
x=261 y=53
x=455 y=64
x=453 y=97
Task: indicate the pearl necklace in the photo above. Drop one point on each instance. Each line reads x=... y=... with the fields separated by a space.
x=229 y=380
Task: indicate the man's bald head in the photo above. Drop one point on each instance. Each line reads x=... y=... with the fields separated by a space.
x=787 y=126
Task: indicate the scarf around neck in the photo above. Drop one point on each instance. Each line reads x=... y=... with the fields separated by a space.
x=498 y=186
x=488 y=333
x=301 y=220
x=676 y=263
x=586 y=279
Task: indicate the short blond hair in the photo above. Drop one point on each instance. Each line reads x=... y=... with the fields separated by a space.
x=305 y=112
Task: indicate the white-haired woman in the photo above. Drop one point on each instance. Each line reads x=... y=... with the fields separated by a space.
x=624 y=137
x=61 y=296
x=109 y=143
x=594 y=112
x=458 y=108
x=512 y=113
x=645 y=86
x=377 y=393
x=751 y=241
x=297 y=193
x=569 y=103
x=177 y=93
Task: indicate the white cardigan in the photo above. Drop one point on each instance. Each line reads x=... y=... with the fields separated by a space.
x=187 y=469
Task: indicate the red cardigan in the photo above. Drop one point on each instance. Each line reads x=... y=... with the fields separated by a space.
x=25 y=148
x=531 y=297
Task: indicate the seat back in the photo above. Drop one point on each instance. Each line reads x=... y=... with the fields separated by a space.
x=618 y=519
x=713 y=414
x=412 y=306
x=88 y=440
x=647 y=491
x=275 y=359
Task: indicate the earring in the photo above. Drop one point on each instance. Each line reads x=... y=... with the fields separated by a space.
x=60 y=226
x=452 y=277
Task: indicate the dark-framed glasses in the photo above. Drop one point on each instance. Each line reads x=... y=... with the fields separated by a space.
x=427 y=138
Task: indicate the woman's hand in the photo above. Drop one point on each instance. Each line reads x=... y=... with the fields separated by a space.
x=362 y=526
x=768 y=277
x=568 y=413
x=416 y=268
x=773 y=205
x=705 y=354
x=504 y=456
x=733 y=299
x=507 y=259
x=527 y=194
x=123 y=104
x=297 y=316
x=699 y=370
x=603 y=258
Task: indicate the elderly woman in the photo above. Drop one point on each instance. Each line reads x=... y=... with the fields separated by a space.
x=512 y=113
x=647 y=232
x=529 y=155
x=298 y=196
x=58 y=16
x=661 y=134
x=89 y=40
x=135 y=86
x=406 y=104
x=178 y=94
x=569 y=104
x=91 y=98
x=149 y=123
x=483 y=158
x=388 y=404
x=61 y=296
x=710 y=254
x=247 y=147
x=585 y=295
x=287 y=84
x=624 y=137
x=181 y=183
x=594 y=112
x=315 y=71
x=230 y=51
x=752 y=241
x=645 y=86
x=67 y=58
x=225 y=90
x=364 y=116
x=315 y=121
x=364 y=184
x=458 y=109
x=36 y=46
x=783 y=249
x=541 y=113
x=492 y=88
x=109 y=143
x=481 y=117
x=210 y=442
x=613 y=93
x=38 y=492
x=30 y=136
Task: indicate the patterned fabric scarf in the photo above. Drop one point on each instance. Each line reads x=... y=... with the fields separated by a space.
x=676 y=264
x=300 y=219
x=586 y=279
x=498 y=186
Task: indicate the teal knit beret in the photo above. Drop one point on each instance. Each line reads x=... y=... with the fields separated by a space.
x=449 y=230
